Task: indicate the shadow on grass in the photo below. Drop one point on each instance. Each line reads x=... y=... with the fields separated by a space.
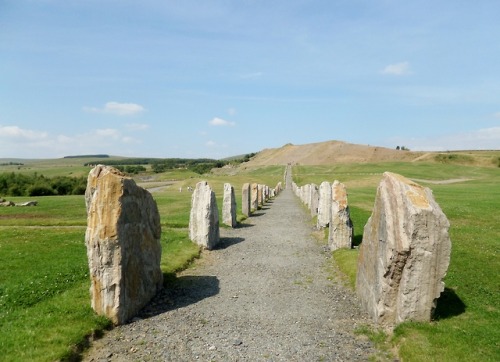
x=180 y=291
x=448 y=305
x=357 y=239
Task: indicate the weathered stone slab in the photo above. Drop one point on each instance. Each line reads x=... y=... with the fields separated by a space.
x=260 y=194
x=254 y=201
x=229 y=206
x=204 y=217
x=246 y=200
x=340 y=228
x=324 y=205
x=314 y=199
x=404 y=255
x=123 y=244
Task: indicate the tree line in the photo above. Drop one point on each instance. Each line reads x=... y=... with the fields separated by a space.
x=19 y=184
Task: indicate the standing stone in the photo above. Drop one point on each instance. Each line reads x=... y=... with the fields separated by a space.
x=260 y=194
x=229 y=206
x=204 y=217
x=246 y=200
x=324 y=205
x=314 y=195
x=254 y=202
x=340 y=229
x=404 y=255
x=306 y=195
x=123 y=244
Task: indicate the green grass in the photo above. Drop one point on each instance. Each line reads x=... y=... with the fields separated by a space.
x=466 y=323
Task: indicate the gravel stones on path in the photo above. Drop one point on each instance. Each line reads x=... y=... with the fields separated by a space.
x=263 y=295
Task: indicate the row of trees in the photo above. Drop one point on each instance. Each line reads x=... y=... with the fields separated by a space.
x=158 y=165
x=18 y=184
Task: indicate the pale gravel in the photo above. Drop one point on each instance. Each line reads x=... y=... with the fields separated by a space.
x=265 y=294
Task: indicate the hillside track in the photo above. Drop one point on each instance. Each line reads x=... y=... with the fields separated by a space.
x=266 y=294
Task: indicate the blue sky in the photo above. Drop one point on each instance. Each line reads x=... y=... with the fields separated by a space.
x=217 y=78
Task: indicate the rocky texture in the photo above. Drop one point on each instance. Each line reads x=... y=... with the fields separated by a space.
x=404 y=255
x=260 y=194
x=313 y=203
x=204 y=217
x=324 y=205
x=229 y=206
x=123 y=244
x=340 y=228
x=254 y=196
x=246 y=200
x=264 y=295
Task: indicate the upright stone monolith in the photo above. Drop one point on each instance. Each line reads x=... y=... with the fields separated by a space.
x=229 y=206
x=204 y=217
x=254 y=196
x=123 y=244
x=324 y=205
x=246 y=200
x=404 y=255
x=314 y=200
x=340 y=228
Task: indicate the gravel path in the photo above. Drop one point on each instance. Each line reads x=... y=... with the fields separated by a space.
x=264 y=295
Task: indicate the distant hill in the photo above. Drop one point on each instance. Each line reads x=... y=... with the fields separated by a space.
x=329 y=152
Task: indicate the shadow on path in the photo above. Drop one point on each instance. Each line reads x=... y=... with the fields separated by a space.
x=225 y=242
x=180 y=292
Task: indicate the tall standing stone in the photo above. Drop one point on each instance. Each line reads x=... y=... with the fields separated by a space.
x=229 y=206
x=246 y=200
x=204 y=217
x=404 y=255
x=324 y=205
x=314 y=199
x=260 y=194
x=123 y=244
x=254 y=201
x=340 y=229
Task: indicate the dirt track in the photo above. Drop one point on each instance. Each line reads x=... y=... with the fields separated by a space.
x=264 y=295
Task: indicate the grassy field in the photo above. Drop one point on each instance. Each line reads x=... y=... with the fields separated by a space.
x=466 y=324
x=44 y=283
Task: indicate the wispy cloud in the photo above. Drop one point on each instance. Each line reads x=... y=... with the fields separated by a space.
x=21 y=134
x=496 y=115
x=24 y=143
x=231 y=111
x=398 y=69
x=210 y=144
x=116 y=108
x=137 y=126
x=221 y=122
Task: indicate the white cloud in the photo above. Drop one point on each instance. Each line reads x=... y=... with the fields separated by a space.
x=21 y=134
x=402 y=68
x=25 y=143
x=221 y=122
x=231 y=111
x=137 y=126
x=481 y=139
x=210 y=144
x=120 y=109
x=497 y=115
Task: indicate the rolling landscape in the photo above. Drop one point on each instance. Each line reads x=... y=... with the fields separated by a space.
x=45 y=312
